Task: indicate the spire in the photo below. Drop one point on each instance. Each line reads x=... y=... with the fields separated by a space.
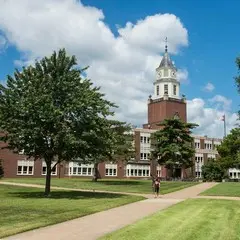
x=166 y=46
x=166 y=61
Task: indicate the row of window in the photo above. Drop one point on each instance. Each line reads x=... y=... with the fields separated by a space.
x=206 y=146
x=166 y=89
x=144 y=156
x=144 y=139
x=133 y=170
x=27 y=168
x=234 y=175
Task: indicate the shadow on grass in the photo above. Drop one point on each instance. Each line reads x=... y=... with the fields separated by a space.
x=65 y=195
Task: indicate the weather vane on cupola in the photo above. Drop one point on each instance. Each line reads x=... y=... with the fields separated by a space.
x=166 y=46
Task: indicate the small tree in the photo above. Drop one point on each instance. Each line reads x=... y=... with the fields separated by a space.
x=172 y=145
x=1 y=169
x=212 y=171
x=229 y=150
x=121 y=147
x=51 y=112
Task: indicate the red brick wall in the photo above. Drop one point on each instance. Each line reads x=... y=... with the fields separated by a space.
x=160 y=110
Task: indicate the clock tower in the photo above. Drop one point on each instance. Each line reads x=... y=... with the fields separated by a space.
x=166 y=101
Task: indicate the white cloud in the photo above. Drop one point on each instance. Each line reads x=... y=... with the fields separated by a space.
x=209 y=87
x=221 y=102
x=123 y=65
x=208 y=118
x=3 y=43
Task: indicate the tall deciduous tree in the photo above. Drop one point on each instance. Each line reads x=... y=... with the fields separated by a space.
x=172 y=146
x=55 y=114
x=229 y=150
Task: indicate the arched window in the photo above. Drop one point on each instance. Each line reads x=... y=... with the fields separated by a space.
x=157 y=90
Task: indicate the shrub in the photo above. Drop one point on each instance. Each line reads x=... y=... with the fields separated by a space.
x=213 y=171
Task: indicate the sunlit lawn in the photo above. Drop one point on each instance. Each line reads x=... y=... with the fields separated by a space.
x=22 y=208
x=231 y=189
x=200 y=219
x=117 y=185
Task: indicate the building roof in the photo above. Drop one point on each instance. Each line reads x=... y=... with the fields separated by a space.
x=166 y=60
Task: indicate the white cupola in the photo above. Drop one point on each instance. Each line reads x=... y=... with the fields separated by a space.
x=166 y=83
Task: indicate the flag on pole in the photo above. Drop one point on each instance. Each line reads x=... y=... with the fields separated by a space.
x=222 y=118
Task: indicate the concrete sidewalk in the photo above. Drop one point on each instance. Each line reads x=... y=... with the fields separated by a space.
x=93 y=226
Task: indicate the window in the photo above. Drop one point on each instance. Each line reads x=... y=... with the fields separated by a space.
x=165 y=72
x=25 y=167
x=165 y=89
x=159 y=171
x=157 y=91
x=80 y=169
x=144 y=139
x=144 y=156
x=134 y=170
x=197 y=145
x=111 y=170
x=174 y=90
x=44 y=168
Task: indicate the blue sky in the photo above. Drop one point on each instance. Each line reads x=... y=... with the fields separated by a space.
x=206 y=53
x=213 y=38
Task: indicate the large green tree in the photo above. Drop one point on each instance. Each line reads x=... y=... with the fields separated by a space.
x=172 y=145
x=52 y=112
x=229 y=150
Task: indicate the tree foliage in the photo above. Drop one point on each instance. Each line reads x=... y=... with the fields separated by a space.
x=122 y=148
x=52 y=112
x=213 y=171
x=229 y=150
x=172 y=146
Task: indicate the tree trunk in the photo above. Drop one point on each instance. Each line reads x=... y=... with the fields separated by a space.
x=96 y=173
x=48 y=179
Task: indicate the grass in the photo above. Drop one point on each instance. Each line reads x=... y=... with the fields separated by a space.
x=231 y=189
x=198 y=219
x=23 y=209
x=130 y=186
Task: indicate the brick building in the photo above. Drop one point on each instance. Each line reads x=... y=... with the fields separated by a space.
x=166 y=102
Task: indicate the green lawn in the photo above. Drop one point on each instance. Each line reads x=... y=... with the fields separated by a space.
x=130 y=186
x=200 y=219
x=231 y=189
x=22 y=208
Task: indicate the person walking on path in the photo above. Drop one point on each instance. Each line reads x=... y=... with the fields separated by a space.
x=157 y=187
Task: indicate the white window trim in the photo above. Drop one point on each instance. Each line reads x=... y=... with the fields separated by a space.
x=112 y=167
x=79 y=169
x=135 y=169
x=45 y=165
x=25 y=163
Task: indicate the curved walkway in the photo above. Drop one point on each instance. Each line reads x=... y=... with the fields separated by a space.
x=93 y=226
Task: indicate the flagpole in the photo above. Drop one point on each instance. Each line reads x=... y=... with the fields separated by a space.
x=224 y=122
